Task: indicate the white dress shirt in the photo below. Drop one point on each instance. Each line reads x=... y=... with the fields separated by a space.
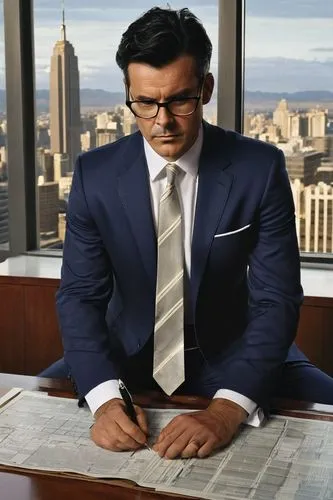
x=186 y=184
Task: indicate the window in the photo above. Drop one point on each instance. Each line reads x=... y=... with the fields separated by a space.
x=79 y=92
x=4 y=231
x=289 y=102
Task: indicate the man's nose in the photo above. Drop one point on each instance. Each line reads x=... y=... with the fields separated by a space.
x=163 y=116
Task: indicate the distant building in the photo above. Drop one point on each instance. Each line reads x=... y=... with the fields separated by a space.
x=105 y=136
x=43 y=137
x=65 y=184
x=280 y=117
x=247 y=124
x=88 y=140
x=297 y=125
x=322 y=144
x=111 y=133
x=314 y=216
x=65 y=119
x=48 y=166
x=297 y=188
x=318 y=218
x=61 y=166
x=303 y=166
x=3 y=154
x=88 y=123
x=45 y=164
x=271 y=133
x=102 y=120
x=129 y=123
x=48 y=210
x=62 y=226
x=325 y=174
x=317 y=124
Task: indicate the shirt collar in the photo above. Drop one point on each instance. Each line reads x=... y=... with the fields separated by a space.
x=189 y=162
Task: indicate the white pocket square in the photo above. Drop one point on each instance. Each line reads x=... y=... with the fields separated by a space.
x=232 y=232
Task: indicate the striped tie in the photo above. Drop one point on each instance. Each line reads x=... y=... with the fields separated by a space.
x=169 y=370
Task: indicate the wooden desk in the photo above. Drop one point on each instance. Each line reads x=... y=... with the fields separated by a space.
x=25 y=485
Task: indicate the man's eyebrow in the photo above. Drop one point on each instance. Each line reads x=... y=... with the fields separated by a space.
x=144 y=98
x=180 y=93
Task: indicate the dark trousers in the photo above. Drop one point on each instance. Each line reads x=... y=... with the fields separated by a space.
x=299 y=380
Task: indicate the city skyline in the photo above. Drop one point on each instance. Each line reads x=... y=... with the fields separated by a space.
x=301 y=59
x=67 y=123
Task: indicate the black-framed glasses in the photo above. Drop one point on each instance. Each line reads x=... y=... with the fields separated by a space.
x=178 y=106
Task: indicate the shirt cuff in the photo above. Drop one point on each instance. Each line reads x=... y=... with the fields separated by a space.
x=102 y=393
x=256 y=414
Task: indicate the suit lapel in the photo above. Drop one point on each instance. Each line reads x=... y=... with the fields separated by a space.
x=133 y=188
x=213 y=190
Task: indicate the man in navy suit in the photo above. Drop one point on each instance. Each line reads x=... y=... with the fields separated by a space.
x=242 y=289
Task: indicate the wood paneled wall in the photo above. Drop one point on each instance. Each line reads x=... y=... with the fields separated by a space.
x=30 y=339
x=315 y=332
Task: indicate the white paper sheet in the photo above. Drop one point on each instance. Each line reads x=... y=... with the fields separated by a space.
x=287 y=458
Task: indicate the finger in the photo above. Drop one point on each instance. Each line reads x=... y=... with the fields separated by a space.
x=108 y=431
x=131 y=429
x=174 y=428
x=142 y=419
x=164 y=443
x=207 y=448
x=130 y=441
x=191 y=449
x=174 y=446
x=113 y=438
x=162 y=435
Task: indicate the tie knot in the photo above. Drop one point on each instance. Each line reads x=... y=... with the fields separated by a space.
x=172 y=170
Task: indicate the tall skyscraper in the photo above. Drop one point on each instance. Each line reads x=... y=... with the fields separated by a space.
x=280 y=117
x=65 y=119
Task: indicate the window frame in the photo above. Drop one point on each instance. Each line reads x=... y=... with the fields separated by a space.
x=21 y=151
x=21 y=120
x=231 y=88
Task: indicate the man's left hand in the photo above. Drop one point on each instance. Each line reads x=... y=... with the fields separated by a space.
x=197 y=434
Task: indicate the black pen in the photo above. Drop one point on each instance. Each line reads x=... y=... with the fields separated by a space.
x=130 y=410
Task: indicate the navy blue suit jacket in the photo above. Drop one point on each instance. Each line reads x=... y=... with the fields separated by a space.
x=245 y=283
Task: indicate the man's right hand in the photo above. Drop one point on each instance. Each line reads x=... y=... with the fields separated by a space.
x=115 y=431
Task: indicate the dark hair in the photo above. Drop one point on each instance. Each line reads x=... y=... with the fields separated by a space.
x=160 y=36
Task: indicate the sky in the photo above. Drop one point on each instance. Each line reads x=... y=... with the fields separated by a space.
x=288 y=43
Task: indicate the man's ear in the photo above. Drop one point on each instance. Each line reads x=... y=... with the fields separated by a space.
x=208 y=88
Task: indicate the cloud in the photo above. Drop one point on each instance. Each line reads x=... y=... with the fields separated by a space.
x=111 y=10
x=265 y=74
x=280 y=28
x=287 y=75
x=129 y=4
x=282 y=37
x=96 y=37
x=322 y=49
x=42 y=68
x=290 y=8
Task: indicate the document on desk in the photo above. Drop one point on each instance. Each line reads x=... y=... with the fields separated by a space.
x=287 y=458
